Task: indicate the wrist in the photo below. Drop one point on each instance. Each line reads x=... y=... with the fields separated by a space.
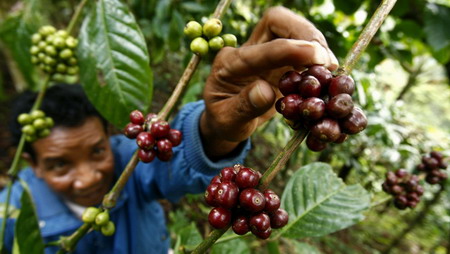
x=215 y=146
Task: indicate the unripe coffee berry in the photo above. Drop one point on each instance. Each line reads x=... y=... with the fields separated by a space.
x=252 y=200
x=193 y=29
x=219 y=217
x=102 y=218
x=24 y=119
x=109 y=229
x=229 y=40
x=89 y=214
x=199 y=46
x=216 y=43
x=212 y=27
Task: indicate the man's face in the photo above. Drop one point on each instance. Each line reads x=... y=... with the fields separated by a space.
x=76 y=162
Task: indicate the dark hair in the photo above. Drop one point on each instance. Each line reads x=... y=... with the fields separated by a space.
x=68 y=105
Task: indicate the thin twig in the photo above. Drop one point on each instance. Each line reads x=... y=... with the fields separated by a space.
x=76 y=16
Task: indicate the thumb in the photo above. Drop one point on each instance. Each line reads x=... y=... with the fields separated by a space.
x=257 y=99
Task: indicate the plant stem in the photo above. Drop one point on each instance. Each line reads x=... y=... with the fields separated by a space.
x=110 y=199
x=68 y=243
x=282 y=158
x=366 y=36
x=76 y=16
x=210 y=240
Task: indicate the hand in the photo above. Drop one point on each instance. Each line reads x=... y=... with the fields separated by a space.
x=242 y=88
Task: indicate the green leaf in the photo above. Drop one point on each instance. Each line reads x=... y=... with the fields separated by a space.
x=437 y=18
x=347 y=6
x=192 y=7
x=114 y=62
x=235 y=246
x=188 y=238
x=319 y=203
x=26 y=232
x=15 y=32
x=304 y=248
x=175 y=31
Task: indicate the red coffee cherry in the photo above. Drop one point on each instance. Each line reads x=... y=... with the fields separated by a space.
x=137 y=117
x=340 y=106
x=401 y=202
x=314 y=144
x=164 y=146
x=432 y=179
x=355 y=122
x=240 y=225
x=175 y=137
x=320 y=73
x=420 y=190
x=164 y=156
x=247 y=178
x=289 y=82
x=401 y=173
x=312 y=109
x=391 y=178
x=309 y=87
x=227 y=194
x=421 y=167
x=160 y=129
x=215 y=179
x=341 y=84
x=132 y=130
x=145 y=140
x=396 y=189
x=279 y=218
x=227 y=174
x=259 y=222
x=326 y=130
x=146 y=155
x=342 y=138
x=272 y=201
x=437 y=155
x=252 y=200
x=263 y=234
x=210 y=194
x=430 y=162
x=219 y=217
x=289 y=106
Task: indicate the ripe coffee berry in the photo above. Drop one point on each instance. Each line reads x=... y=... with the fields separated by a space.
x=247 y=178
x=226 y=195
x=137 y=117
x=241 y=225
x=160 y=129
x=210 y=194
x=340 y=105
x=259 y=222
x=219 y=217
x=175 y=137
x=314 y=144
x=326 y=130
x=279 y=218
x=289 y=82
x=432 y=164
x=341 y=84
x=132 y=130
x=227 y=174
x=272 y=201
x=404 y=187
x=312 y=109
x=146 y=156
x=309 y=87
x=145 y=141
x=252 y=200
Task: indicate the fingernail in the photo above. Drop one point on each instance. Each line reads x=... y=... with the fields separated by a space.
x=260 y=95
x=320 y=55
x=334 y=62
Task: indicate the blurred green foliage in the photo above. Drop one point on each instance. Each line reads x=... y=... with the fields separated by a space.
x=402 y=84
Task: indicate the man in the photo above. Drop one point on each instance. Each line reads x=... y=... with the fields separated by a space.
x=76 y=165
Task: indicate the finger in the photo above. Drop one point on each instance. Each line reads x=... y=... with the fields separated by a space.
x=260 y=58
x=237 y=114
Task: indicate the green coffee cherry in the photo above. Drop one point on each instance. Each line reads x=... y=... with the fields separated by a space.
x=72 y=61
x=41 y=45
x=193 y=29
x=30 y=139
x=89 y=214
x=216 y=43
x=212 y=27
x=72 y=70
x=49 y=123
x=39 y=124
x=50 y=50
x=43 y=133
x=230 y=40
x=61 y=68
x=66 y=53
x=41 y=56
x=62 y=33
x=35 y=114
x=71 y=42
x=34 y=50
x=28 y=130
x=102 y=218
x=34 y=60
x=108 y=229
x=59 y=42
x=199 y=46
x=49 y=60
x=58 y=77
x=47 y=30
x=36 y=38
x=24 y=119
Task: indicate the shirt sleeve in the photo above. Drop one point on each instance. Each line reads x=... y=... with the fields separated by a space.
x=189 y=170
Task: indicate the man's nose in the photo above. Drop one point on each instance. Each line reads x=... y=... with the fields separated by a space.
x=86 y=176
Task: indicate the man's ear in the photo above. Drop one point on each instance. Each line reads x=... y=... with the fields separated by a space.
x=33 y=164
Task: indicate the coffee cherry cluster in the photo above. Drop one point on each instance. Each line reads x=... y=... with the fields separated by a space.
x=99 y=219
x=432 y=165
x=321 y=103
x=53 y=51
x=35 y=125
x=157 y=140
x=207 y=37
x=404 y=187
x=238 y=203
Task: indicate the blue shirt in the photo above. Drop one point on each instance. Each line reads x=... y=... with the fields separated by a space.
x=138 y=217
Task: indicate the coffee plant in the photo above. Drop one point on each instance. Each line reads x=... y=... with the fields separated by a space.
x=322 y=108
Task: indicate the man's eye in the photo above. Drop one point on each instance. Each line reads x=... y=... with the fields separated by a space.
x=98 y=150
x=58 y=166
